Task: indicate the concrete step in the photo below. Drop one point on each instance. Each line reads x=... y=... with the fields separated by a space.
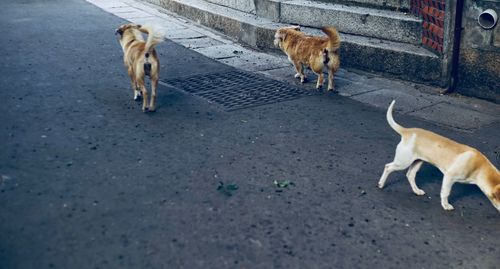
x=398 y=5
x=348 y=18
x=370 y=22
x=396 y=59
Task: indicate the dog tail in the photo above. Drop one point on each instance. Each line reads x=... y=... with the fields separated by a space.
x=333 y=38
x=398 y=128
x=154 y=37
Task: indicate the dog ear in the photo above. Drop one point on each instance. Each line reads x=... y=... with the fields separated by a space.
x=119 y=31
x=280 y=34
x=296 y=28
x=283 y=36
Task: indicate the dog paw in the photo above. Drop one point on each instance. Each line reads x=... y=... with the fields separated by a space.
x=137 y=95
x=152 y=109
x=419 y=192
x=447 y=206
x=297 y=75
x=145 y=109
x=380 y=185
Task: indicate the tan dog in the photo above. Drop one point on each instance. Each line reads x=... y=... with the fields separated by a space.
x=457 y=162
x=141 y=59
x=313 y=51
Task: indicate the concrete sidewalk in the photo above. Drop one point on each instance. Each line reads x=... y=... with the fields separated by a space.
x=453 y=111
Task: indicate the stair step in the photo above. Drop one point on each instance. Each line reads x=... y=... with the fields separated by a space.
x=383 y=24
x=397 y=59
x=400 y=5
x=373 y=22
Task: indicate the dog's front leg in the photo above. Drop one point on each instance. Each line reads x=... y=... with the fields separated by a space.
x=331 y=85
x=144 y=91
x=445 y=192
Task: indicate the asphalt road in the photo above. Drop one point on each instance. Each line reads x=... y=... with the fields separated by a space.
x=89 y=181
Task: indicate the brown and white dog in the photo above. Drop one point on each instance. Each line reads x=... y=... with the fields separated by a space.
x=140 y=59
x=457 y=162
x=313 y=51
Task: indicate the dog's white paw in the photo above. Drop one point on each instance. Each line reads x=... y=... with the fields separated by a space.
x=297 y=75
x=419 y=192
x=137 y=95
x=380 y=185
x=447 y=206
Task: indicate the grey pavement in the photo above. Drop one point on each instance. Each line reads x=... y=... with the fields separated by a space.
x=89 y=181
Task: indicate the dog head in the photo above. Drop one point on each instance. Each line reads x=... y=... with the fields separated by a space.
x=282 y=33
x=127 y=33
x=127 y=29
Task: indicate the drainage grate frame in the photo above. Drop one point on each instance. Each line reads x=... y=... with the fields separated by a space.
x=236 y=89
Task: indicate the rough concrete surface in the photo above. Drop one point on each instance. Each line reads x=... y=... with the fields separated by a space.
x=90 y=181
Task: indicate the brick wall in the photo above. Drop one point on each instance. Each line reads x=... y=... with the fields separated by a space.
x=432 y=14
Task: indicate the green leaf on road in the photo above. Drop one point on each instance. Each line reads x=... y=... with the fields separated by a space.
x=283 y=183
x=231 y=187
x=227 y=189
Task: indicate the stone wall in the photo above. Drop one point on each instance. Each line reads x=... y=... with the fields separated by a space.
x=479 y=62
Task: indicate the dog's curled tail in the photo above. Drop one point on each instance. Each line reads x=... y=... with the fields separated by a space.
x=333 y=36
x=154 y=37
x=398 y=128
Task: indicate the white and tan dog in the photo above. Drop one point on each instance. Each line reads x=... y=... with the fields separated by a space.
x=141 y=60
x=457 y=162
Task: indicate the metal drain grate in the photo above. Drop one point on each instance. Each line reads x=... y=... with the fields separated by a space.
x=236 y=89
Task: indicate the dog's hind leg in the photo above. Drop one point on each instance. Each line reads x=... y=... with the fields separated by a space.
x=412 y=172
x=133 y=83
x=137 y=93
x=402 y=160
x=331 y=84
x=154 y=87
x=144 y=91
